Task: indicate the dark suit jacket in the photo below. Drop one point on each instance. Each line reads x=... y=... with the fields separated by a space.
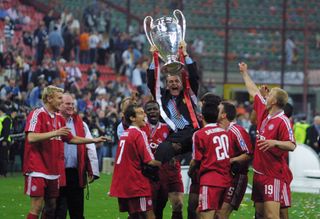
x=312 y=137
x=166 y=96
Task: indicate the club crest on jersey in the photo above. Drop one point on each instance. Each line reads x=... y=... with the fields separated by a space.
x=271 y=127
x=165 y=135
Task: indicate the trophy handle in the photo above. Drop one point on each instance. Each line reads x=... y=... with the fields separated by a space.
x=183 y=21
x=146 y=29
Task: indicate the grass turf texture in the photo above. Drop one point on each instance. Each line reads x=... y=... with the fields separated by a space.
x=14 y=204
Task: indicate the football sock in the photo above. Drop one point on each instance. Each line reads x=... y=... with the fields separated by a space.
x=176 y=215
x=32 y=216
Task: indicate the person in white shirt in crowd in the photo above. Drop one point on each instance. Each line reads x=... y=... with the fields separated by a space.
x=93 y=45
x=73 y=72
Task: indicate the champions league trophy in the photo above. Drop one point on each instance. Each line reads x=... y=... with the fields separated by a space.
x=165 y=34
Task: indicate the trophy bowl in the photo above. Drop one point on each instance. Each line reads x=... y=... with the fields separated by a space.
x=165 y=34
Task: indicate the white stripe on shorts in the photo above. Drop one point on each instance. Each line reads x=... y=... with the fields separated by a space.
x=276 y=190
x=29 y=185
x=285 y=195
x=143 y=204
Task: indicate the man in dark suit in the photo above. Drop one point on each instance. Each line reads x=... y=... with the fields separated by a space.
x=178 y=105
x=313 y=133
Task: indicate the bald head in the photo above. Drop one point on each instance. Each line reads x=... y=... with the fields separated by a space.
x=67 y=107
x=316 y=120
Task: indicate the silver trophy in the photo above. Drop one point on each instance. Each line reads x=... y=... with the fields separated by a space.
x=165 y=34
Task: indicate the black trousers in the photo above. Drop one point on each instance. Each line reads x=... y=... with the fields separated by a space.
x=71 y=197
x=166 y=152
x=4 y=159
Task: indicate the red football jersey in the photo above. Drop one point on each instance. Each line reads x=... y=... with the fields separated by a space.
x=211 y=147
x=132 y=151
x=156 y=134
x=240 y=143
x=277 y=127
x=44 y=157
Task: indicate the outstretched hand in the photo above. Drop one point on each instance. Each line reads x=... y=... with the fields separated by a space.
x=101 y=139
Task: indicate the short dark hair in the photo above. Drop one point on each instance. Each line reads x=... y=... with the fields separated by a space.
x=150 y=102
x=288 y=110
x=130 y=112
x=230 y=110
x=210 y=97
x=210 y=112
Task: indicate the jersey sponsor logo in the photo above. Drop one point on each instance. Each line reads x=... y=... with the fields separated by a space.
x=261 y=137
x=271 y=127
x=153 y=145
x=56 y=138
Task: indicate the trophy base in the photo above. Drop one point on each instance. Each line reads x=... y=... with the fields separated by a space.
x=172 y=67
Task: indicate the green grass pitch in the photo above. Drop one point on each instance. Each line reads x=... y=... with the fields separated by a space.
x=14 y=204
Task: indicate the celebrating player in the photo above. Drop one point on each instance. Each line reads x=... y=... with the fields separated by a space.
x=211 y=154
x=170 y=184
x=275 y=135
x=240 y=152
x=129 y=185
x=44 y=154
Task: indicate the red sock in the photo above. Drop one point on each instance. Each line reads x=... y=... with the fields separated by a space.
x=32 y=216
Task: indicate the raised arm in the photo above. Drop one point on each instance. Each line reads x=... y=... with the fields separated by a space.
x=150 y=73
x=251 y=86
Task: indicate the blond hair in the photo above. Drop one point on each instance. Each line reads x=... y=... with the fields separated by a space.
x=49 y=92
x=281 y=97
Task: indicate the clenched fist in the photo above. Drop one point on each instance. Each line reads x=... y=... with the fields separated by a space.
x=243 y=68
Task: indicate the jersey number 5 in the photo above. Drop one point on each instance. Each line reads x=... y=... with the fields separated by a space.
x=223 y=146
x=121 y=145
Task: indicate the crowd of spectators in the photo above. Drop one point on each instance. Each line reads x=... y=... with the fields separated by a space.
x=71 y=52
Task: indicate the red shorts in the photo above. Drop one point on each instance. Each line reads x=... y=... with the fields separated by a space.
x=236 y=191
x=266 y=188
x=170 y=177
x=135 y=205
x=41 y=187
x=285 y=201
x=211 y=198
